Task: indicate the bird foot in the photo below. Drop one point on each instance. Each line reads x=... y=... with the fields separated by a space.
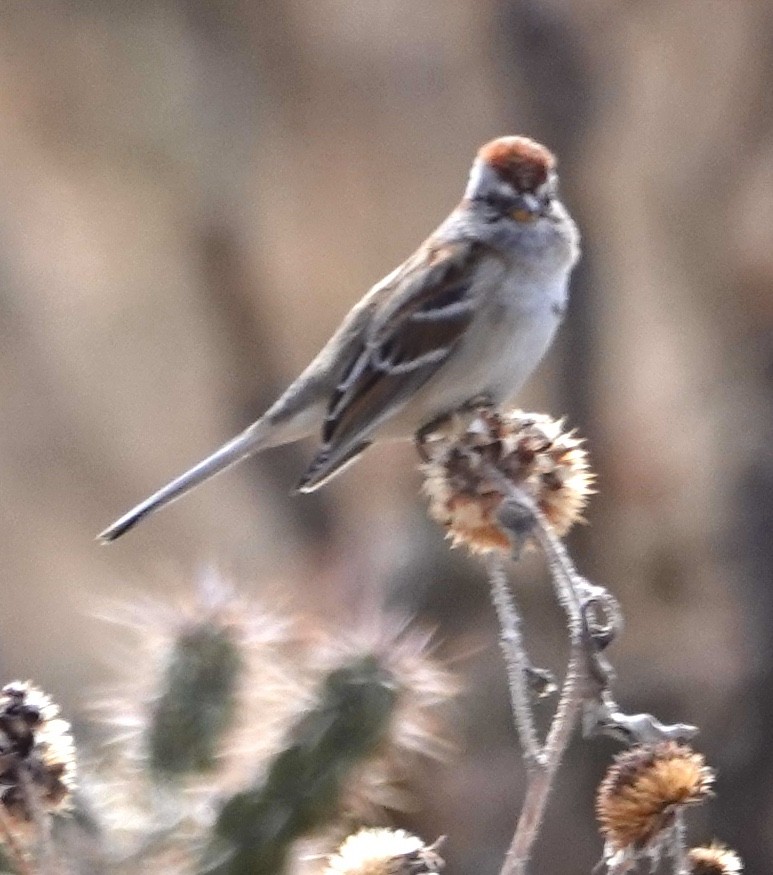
x=449 y=424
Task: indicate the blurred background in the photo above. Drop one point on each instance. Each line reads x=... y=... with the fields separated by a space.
x=192 y=194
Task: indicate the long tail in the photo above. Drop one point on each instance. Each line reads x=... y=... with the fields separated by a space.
x=253 y=439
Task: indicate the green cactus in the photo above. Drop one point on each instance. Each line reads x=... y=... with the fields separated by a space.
x=197 y=701
x=302 y=788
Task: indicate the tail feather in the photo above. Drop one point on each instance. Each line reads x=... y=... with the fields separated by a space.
x=327 y=464
x=250 y=441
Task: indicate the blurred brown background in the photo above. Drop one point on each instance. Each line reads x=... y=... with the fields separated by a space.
x=191 y=196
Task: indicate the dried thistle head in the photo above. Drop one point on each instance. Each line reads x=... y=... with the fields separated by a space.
x=530 y=450
x=644 y=788
x=384 y=852
x=714 y=859
x=37 y=754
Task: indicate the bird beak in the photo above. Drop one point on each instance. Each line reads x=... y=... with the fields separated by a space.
x=527 y=208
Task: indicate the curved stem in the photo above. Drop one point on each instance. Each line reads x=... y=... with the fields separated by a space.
x=568 y=587
x=541 y=782
x=516 y=661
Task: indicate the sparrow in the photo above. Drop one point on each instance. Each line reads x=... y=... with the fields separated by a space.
x=469 y=315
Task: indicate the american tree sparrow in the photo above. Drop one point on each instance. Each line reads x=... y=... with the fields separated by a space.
x=469 y=315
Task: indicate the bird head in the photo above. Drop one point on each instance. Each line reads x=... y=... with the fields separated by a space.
x=515 y=175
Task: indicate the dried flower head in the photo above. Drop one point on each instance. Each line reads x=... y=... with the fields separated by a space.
x=714 y=859
x=384 y=852
x=37 y=755
x=644 y=788
x=530 y=450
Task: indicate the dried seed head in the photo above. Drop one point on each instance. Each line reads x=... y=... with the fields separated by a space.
x=37 y=754
x=384 y=852
x=530 y=450
x=714 y=859
x=644 y=788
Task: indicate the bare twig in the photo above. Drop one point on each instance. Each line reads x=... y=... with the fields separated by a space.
x=593 y=619
x=541 y=782
x=516 y=662
x=582 y=599
x=678 y=848
x=542 y=776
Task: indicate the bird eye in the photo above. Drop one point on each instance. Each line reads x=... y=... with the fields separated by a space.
x=546 y=194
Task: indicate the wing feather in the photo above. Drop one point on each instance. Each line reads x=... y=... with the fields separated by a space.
x=410 y=335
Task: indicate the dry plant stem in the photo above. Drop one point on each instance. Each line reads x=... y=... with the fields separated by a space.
x=586 y=683
x=42 y=822
x=540 y=782
x=568 y=585
x=679 y=846
x=15 y=851
x=516 y=662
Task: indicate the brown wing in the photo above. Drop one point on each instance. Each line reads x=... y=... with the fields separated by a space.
x=411 y=334
x=409 y=338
